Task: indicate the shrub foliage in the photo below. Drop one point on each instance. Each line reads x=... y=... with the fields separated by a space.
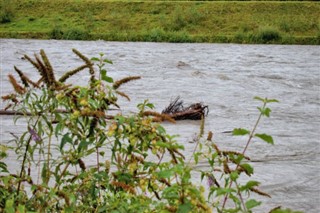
x=78 y=156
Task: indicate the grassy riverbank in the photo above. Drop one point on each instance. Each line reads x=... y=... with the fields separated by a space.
x=285 y=22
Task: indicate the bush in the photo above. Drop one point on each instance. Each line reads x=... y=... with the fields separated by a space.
x=70 y=34
x=267 y=35
x=138 y=166
x=7 y=11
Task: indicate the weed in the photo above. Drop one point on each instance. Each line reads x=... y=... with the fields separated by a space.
x=138 y=167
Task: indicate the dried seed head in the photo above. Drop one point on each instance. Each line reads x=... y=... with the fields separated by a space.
x=81 y=164
x=124 y=186
x=107 y=165
x=201 y=126
x=11 y=97
x=123 y=95
x=71 y=73
x=210 y=134
x=88 y=63
x=22 y=76
x=64 y=196
x=118 y=83
x=18 y=88
x=260 y=192
x=162 y=117
x=42 y=70
x=171 y=208
x=216 y=148
x=48 y=67
x=226 y=168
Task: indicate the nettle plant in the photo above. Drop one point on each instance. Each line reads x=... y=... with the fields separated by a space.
x=135 y=166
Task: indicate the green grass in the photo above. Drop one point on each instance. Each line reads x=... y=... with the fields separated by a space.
x=292 y=22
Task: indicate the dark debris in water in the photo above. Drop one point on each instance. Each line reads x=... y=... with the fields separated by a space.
x=177 y=111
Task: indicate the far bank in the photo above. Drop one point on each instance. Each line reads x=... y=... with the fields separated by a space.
x=275 y=22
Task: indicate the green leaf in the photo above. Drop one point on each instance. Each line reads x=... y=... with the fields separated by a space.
x=248 y=168
x=165 y=174
x=83 y=145
x=272 y=101
x=162 y=144
x=249 y=185
x=102 y=153
x=3 y=167
x=234 y=176
x=95 y=59
x=65 y=139
x=252 y=203
x=150 y=105
x=186 y=207
x=105 y=77
x=265 y=137
x=108 y=61
x=21 y=208
x=9 y=206
x=161 y=130
x=240 y=131
x=171 y=193
x=259 y=99
x=280 y=210
x=223 y=191
x=44 y=174
x=265 y=111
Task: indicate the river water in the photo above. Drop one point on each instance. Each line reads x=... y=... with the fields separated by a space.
x=225 y=77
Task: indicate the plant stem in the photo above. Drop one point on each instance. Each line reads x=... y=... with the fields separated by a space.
x=48 y=157
x=243 y=152
x=25 y=157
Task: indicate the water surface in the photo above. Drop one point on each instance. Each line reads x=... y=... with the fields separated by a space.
x=225 y=77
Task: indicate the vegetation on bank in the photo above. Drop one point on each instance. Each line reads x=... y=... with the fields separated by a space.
x=78 y=157
x=281 y=22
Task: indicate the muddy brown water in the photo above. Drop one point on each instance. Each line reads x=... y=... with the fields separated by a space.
x=225 y=77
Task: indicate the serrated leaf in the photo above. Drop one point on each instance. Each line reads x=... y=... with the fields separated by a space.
x=248 y=168
x=265 y=111
x=105 y=77
x=250 y=184
x=252 y=203
x=234 y=176
x=240 y=131
x=150 y=105
x=265 y=137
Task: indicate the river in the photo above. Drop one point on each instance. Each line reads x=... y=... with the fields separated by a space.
x=225 y=77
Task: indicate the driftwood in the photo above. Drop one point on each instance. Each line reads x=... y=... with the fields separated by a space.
x=177 y=111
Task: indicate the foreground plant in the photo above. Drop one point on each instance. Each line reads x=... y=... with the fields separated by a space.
x=78 y=156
